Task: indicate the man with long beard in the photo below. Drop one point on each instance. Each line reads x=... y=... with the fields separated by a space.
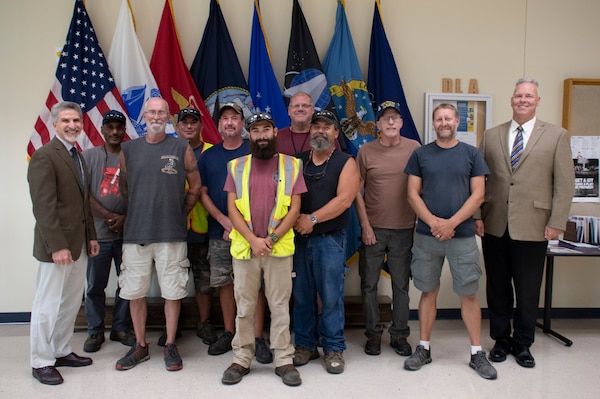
x=263 y=201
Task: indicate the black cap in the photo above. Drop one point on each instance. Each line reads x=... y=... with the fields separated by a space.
x=327 y=116
x=114 y=115
x=259 y=116
x=387 y=105
x=189 y=111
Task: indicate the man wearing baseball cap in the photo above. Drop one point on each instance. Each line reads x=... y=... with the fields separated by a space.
x=387 y=222
x=332 y=180
x=262 y=211
x=108 y=209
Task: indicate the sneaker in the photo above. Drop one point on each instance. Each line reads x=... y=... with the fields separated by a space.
x=334 y=362
x=480 y=364
x=418 y=359
x=173 y=361
x=401 y=345
x=206 y=331
x=373 y=345
x=262 y=351
x=304 y=355
x=136 y=354
x=162 y=340
x=289 y=375
x=234 y=374
x=93 y=343
x=221 y=345
x=126 y=337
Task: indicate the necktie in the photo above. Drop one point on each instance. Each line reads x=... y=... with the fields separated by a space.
x=517 y=149
x=75 y=157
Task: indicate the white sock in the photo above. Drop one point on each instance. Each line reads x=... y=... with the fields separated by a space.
x=425 y=344
x=475 y=349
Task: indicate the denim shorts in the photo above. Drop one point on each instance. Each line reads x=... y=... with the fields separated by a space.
x=428 y=255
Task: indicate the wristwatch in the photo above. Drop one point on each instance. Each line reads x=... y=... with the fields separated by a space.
x=273 y=237
x=313 y=219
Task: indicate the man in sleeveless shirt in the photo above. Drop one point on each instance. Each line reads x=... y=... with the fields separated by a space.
x=154 y=171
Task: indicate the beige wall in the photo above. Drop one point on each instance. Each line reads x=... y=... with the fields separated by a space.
x=491 y=41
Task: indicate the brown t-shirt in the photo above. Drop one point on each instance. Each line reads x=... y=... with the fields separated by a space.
x=382 y=169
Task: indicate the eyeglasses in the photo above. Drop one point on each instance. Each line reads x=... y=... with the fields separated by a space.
x=159 y=113
x=303 y=106
x=318 y=175
x=393 y=118
x=260 y=116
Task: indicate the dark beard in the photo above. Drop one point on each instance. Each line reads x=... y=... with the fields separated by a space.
x=264 y=152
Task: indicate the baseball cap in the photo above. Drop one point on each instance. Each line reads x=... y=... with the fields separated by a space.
x=113 y=115
x=387 y=105
x=257 y=117
x=326 y=115
x=232 y=106
x=189 y=111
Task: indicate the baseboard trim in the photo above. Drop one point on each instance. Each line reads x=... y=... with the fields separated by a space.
x=442 y=314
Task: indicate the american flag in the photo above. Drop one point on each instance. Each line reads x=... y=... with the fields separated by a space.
x=82 y=76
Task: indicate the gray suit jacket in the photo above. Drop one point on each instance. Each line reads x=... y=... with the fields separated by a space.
x=61 y=206
x=538 y=193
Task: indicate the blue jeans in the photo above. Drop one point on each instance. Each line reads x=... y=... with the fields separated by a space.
x=98 y=272
x=319 y=265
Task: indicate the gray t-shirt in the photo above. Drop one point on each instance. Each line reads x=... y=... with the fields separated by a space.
x=104 y=172
x=156 y=189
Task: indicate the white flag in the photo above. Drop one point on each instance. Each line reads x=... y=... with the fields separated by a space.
x=131 y=71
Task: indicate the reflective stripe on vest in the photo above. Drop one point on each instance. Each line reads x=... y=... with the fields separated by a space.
x=198 y=216
x=288 y=170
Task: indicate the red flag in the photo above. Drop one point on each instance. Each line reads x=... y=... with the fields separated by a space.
x=83 y=77
x=173 y=77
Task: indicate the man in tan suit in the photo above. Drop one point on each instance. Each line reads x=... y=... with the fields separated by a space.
x=64 y=227
x=528 y=196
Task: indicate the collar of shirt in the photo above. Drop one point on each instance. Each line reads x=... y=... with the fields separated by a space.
x=67 y=145
x=527 y=129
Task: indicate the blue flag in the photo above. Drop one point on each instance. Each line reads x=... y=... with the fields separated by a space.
x=352 y=104
x=384 y=80
x=216 y=69
x=347 y=86
x=263 y=85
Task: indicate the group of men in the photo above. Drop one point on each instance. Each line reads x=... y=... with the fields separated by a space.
x=264 y=219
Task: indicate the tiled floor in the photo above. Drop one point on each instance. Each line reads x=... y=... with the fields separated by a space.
x=561 y=372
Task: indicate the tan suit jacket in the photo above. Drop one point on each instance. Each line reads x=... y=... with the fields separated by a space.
x=61 y=205
x=538 y=193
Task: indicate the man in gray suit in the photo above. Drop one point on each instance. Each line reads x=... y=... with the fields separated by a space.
x=528 y=196
x=64 y=227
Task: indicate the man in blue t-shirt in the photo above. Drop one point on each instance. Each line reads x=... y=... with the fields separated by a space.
x=446 y=184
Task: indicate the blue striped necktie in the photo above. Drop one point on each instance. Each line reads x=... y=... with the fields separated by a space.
x=517 y=148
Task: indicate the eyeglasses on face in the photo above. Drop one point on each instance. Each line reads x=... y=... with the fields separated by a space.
x=303 y=106
x=154 y=113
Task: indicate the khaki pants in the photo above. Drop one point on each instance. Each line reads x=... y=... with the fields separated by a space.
x=277 y=275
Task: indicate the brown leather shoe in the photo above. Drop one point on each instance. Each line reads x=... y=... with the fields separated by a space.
x=48 y=375
x=72 y=360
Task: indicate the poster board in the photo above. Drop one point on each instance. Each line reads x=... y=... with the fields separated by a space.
x=475 y=112
x=581 y=102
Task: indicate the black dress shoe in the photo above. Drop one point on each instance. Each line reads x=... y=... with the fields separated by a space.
x=48 y=375
x=499 y=351
x=72 y=360
x=523 y=356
